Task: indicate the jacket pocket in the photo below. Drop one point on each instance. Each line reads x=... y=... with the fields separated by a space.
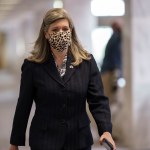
x=84 y=120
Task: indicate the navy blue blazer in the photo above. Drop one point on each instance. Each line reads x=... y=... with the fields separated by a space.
x=60 y=118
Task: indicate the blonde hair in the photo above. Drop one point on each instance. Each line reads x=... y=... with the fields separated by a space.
x=42 y=46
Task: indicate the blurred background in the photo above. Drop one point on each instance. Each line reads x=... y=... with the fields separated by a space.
x=20 y=21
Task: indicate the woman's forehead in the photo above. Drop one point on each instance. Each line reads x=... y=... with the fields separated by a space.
x=60 y=22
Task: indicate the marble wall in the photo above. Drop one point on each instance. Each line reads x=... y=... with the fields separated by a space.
x=137 y=62
x=141 y=72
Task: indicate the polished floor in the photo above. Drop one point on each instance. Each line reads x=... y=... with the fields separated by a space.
x=94 y=148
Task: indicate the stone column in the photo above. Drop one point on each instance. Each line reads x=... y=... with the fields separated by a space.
x=137 y=73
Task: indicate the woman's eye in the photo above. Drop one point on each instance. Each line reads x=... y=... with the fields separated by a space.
x=62 y=29
x=55 y=30
x=65 y=29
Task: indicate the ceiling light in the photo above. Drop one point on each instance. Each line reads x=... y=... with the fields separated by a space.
x=58 y=4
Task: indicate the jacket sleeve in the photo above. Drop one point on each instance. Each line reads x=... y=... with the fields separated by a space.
x=98 y=103
x=24 y=105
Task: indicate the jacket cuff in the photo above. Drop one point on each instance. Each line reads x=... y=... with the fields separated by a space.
x=18 y=141
x=104 y=128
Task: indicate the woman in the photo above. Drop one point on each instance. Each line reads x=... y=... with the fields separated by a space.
x=59 y=76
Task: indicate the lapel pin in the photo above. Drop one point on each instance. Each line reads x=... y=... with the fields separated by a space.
x=71 y=66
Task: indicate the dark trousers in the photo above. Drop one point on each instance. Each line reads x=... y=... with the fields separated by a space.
x=87 y=148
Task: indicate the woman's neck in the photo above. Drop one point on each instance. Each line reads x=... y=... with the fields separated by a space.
x=59 y=56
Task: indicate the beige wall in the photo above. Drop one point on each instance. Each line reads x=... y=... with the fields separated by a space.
x=2 y=50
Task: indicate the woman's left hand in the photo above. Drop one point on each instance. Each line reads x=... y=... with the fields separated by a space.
x=107 y=135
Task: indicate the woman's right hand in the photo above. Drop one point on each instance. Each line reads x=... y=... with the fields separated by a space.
x=13 y=147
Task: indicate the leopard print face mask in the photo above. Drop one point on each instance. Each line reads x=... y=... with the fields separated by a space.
x=60 y=41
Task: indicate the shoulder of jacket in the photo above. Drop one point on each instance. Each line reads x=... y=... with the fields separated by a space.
x=91 y=56
x=27 y=64
x=92 y=59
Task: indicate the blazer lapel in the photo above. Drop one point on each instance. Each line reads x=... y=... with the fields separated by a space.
x=51 y=69
x=70 y=69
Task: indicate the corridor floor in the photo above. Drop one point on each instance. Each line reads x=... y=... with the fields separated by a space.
x=94 y=148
